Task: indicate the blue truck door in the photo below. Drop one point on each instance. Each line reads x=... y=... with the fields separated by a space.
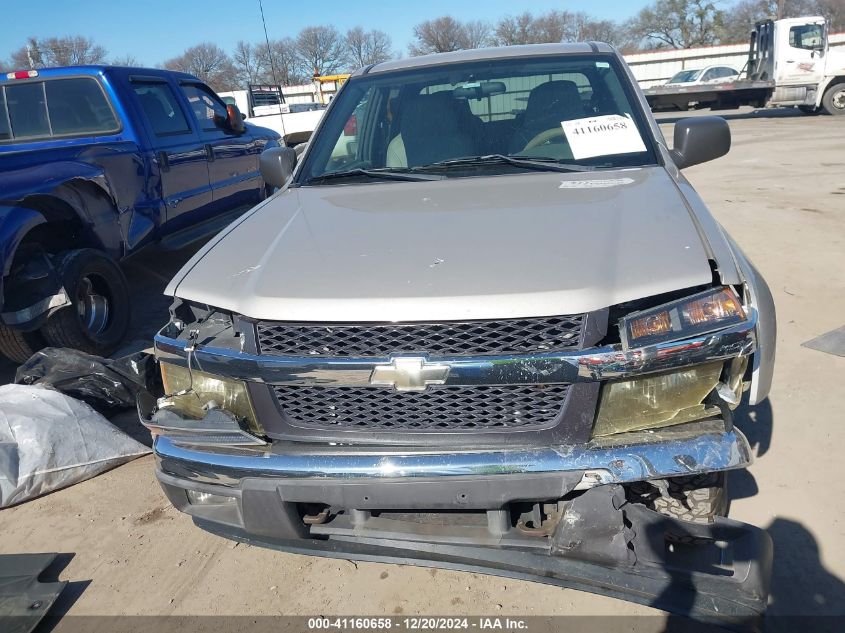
x=178 y=150
x=233 y=158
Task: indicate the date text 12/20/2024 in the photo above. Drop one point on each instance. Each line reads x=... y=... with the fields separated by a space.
x=417 y=623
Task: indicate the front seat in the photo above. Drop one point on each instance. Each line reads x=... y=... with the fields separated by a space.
x=548 y=105
x=431 y=130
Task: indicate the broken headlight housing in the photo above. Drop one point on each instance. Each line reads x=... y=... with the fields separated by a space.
x=691 y=316
x=192 y=394
x=658 y=400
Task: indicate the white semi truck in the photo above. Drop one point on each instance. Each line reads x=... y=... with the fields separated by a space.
x=790 y=63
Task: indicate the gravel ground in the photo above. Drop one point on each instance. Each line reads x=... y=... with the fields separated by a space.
x=780 y=193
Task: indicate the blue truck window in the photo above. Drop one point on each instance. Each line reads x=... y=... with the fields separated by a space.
x=28 y=110
x=206 y=106
x=160 y=108
x=5 y=133
x=58 y=107
x=78 y=106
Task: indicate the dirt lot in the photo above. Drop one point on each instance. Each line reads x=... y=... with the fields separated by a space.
x=780 y=193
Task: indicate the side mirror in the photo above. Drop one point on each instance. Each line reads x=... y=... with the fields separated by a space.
x=276 y=165
x=699 y=139
x=234 y=119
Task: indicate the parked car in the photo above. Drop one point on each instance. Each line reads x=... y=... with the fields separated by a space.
x=706 y=75
x=501 y=333
x=97 y=162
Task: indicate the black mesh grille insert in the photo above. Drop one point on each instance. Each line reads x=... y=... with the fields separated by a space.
x=459 y=338
x=439 y=408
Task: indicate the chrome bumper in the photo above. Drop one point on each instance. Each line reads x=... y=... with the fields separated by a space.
x=587 y=365
x=670 y=453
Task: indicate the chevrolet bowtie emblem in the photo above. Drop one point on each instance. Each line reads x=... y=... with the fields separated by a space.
x=409 y=373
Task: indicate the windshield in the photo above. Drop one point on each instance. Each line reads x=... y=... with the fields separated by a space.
x=684 y=76
x=570 y=110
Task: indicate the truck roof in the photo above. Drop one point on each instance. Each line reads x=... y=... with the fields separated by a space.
x=502 y=52
x=98 y=69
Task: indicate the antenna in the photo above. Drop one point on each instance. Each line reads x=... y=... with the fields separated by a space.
x=267 y=39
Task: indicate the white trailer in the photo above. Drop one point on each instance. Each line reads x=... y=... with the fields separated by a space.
x=790 y=63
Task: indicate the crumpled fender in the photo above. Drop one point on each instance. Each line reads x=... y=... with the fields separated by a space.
x=61 y=179
x=15 y=223
x=763 y=361
x=44 y=178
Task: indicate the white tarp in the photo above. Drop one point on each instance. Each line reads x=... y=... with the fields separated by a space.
x=49 y=441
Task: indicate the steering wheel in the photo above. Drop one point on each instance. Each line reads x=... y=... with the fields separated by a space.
x=544 y=137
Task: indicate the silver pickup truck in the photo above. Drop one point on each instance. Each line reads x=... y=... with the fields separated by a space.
x=484 y=323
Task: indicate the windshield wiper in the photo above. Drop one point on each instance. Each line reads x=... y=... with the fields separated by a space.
x=540 y=163
x=382 y=173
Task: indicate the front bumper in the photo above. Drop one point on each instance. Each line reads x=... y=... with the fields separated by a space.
x=717 y=572
x=688 y=450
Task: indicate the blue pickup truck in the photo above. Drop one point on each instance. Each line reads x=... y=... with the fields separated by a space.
x=97 y=162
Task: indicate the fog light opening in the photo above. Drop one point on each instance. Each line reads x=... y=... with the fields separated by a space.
x=199 y=498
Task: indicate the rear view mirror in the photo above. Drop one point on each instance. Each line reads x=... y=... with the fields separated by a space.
x=699 y=139
x=479 y=90
x=276 y=165
x=234 y=119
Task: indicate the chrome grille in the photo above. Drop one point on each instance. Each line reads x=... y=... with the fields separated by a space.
x=439 y=408
x=456 y=338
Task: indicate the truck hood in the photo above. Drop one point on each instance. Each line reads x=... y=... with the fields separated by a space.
x=534 y=244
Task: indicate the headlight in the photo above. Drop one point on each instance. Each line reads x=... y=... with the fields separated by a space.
x=656 y=401
x=197 y=392
x=698 y=314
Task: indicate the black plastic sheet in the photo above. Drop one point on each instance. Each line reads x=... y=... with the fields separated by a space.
x=108 y=385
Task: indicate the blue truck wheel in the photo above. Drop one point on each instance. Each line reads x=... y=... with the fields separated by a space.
x=100 y=313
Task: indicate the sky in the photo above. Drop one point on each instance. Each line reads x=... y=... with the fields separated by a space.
x=155 y=30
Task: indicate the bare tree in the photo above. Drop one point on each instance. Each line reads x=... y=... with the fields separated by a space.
x=366 y=47
x=585 y=28
x=207 y=62
x=281 y=64
x=834 y=11
x=58 y=51
x=476 y=34
x=679 y=24
x=555 y=26
x=514 y=30
x=321 y=49
x=440 y=35
x=741 y=17
x=125 y=60
x=247 y=63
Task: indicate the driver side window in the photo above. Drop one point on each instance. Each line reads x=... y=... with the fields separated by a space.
x=806 y=36
x=208 y=110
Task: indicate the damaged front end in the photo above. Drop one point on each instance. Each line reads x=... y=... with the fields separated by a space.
x=425 y=459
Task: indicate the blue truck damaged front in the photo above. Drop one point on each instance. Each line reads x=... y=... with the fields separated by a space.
x=97 y=162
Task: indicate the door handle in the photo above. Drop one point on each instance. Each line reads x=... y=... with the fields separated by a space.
x=163 y=161
x=209 y=153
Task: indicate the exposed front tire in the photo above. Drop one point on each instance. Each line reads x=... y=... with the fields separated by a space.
x=100 y=313
x=833 y=100
x=18 y=346
x=698 y=499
